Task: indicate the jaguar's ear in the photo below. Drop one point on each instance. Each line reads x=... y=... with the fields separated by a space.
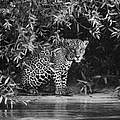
x=86 y=43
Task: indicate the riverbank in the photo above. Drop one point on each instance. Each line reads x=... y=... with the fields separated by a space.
x=93 y=98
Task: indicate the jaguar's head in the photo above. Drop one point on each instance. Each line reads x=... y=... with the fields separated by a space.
x=75 y=49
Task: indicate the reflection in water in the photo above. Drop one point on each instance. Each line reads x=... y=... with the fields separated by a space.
x=63 y=111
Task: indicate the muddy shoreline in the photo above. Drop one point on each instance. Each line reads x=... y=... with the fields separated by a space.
x=93 y=98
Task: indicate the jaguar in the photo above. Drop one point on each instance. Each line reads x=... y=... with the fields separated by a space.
x=52 y=64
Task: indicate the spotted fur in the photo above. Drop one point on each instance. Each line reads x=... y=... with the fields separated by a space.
x=53 y=65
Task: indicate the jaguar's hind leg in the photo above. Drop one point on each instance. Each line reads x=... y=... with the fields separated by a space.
x=64 y=83
x=58 y=83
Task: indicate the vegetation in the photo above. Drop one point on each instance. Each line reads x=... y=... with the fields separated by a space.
x=27 y=24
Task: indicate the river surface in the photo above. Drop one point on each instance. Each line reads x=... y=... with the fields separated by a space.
x=63 y=111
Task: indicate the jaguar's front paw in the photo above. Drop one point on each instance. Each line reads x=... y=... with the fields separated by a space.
x=58 y=92
x=33 y=91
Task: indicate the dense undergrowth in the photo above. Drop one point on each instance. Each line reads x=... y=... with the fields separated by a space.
x=27 y=24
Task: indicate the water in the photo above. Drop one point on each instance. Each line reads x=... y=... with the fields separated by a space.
x=63 y=111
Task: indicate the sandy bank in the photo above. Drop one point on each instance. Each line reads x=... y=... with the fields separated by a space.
x=93 y=98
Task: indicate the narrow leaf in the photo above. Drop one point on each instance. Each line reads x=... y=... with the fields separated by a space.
x=6 y=100
x=7 y=80
x=1 y=98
